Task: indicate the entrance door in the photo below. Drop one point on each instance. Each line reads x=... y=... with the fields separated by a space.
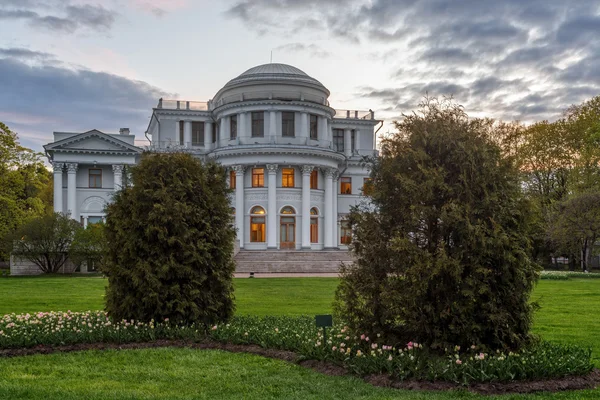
x=288 y=233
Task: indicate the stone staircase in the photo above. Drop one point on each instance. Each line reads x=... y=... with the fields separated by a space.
x=290 y=261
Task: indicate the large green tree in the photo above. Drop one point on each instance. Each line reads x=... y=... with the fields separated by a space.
x=442 y=249
x=25 y=185
x=170 y=243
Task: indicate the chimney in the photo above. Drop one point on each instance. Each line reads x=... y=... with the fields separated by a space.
x=124 y=131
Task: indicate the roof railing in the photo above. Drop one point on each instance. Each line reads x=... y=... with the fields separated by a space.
x=354 y=114
x=182 y=105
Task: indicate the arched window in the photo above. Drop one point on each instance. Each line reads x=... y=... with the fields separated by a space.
x=287 y=228
x=314 y=225
x=345 y=232
x=288 y=210
x=257 y=224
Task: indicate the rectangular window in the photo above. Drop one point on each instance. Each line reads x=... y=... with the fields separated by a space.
x=287 y=177
x=181 y=132
x=215 y=127
x=346 y=185
x=367 y=186
x=314 y=179
x=257 y=229
x=287 y=124
x=353 y=140
x=258 y=177
x=232 y=179
x=197 y=133
x=345 y=232
x=314 y=230
x=258 y=124
x=314 y=127
x=338 y=139
x=95 y=178
x=233 y=127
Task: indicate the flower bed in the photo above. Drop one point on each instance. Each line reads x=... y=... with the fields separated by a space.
x=361 y=355
x=566 y=275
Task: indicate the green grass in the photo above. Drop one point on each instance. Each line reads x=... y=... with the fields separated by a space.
x=569 y=314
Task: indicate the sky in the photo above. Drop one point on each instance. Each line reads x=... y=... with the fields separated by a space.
x=76 y=65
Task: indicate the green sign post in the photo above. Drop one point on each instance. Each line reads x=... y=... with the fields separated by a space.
x=324 y=321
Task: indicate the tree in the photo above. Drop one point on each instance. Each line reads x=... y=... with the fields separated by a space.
x=25 y=185
x=89 y=246
x=576 y=226
x=45 y=241
x=442 y=250
x=170 y=243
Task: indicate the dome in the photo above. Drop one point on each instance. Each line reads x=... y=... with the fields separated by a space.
x=274 y=72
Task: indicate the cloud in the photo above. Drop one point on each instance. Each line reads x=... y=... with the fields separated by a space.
x=59 y=16
x=313 y=49
x=494 y=56
x=36 y=100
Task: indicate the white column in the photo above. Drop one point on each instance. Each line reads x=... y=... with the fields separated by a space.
x=58 y=189
x=72 y=190
x=347 y=142
x=240 y=211
x=85 y=221
x=357 y=140
x=328 y=173
x=306 y=170
x=304 y=126
x=273 y=126
x=207 y=135
x=187 y=133
x=118 y=176
x=322 y=132
x=335 y=233
x=223 y=132
x=272 y=206
x=177 y=132
x=330 y=133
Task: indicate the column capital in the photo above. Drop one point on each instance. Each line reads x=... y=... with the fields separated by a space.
x=72 y=167
x=58 y=167
x=117 y=168
x=307 y=169
x=329 y=172
x=239 y=169
x=272 y=168
x=335 y=174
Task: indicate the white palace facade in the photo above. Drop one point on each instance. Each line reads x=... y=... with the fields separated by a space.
x=294 y=162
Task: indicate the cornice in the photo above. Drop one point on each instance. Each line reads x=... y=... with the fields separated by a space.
x=96 y=151
x=276 y=149
x=182 y=112
x=248 y=103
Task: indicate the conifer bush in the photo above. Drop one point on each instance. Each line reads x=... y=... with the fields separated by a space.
x=442 y=249
x=170 y=243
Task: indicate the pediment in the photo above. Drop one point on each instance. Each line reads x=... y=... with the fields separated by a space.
x=93 y=141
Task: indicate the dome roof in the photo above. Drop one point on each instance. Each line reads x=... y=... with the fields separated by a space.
x=274 y=72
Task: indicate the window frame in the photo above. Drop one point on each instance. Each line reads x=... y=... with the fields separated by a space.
x=345 y=232
x=313 y=127
x=345 y=185
x=314 y=179
x=257 y=124
x=314 y=225
x=258 y=179
x=95 y=178
x=338 y=138
x=285 y=177
x=198 y=133
x=288 y=125
x=232 y=179
x=181 y=134
x=233 y=125
x=367 y=188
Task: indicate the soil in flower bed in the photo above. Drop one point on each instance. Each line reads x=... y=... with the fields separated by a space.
x=590 y=381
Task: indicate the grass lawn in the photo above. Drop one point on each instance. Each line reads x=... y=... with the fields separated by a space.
x=568 y=314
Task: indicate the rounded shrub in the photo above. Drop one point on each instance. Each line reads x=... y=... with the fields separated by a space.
x=170 y=243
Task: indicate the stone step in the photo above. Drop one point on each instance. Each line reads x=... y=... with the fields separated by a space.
x=260 y=261
x=250 y=255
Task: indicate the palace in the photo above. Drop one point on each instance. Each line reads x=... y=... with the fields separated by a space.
x=293 y=161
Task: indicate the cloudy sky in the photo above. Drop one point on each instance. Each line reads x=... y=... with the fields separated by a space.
x=74 y=65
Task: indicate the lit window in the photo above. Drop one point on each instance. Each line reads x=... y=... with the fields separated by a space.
x=232 y=179
x=258 y=124
x=258 y=177
x=338 y=139
x=95 y=178
x=287 y=177
x=288 y=210
x=346 y=185
x=197 y=133
x=314 y=179
x=367 y=186
x=233 y=127
x=345 y=232
x=287 y=124
x=257 y=224
x=314 y=127
x=314 y=225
